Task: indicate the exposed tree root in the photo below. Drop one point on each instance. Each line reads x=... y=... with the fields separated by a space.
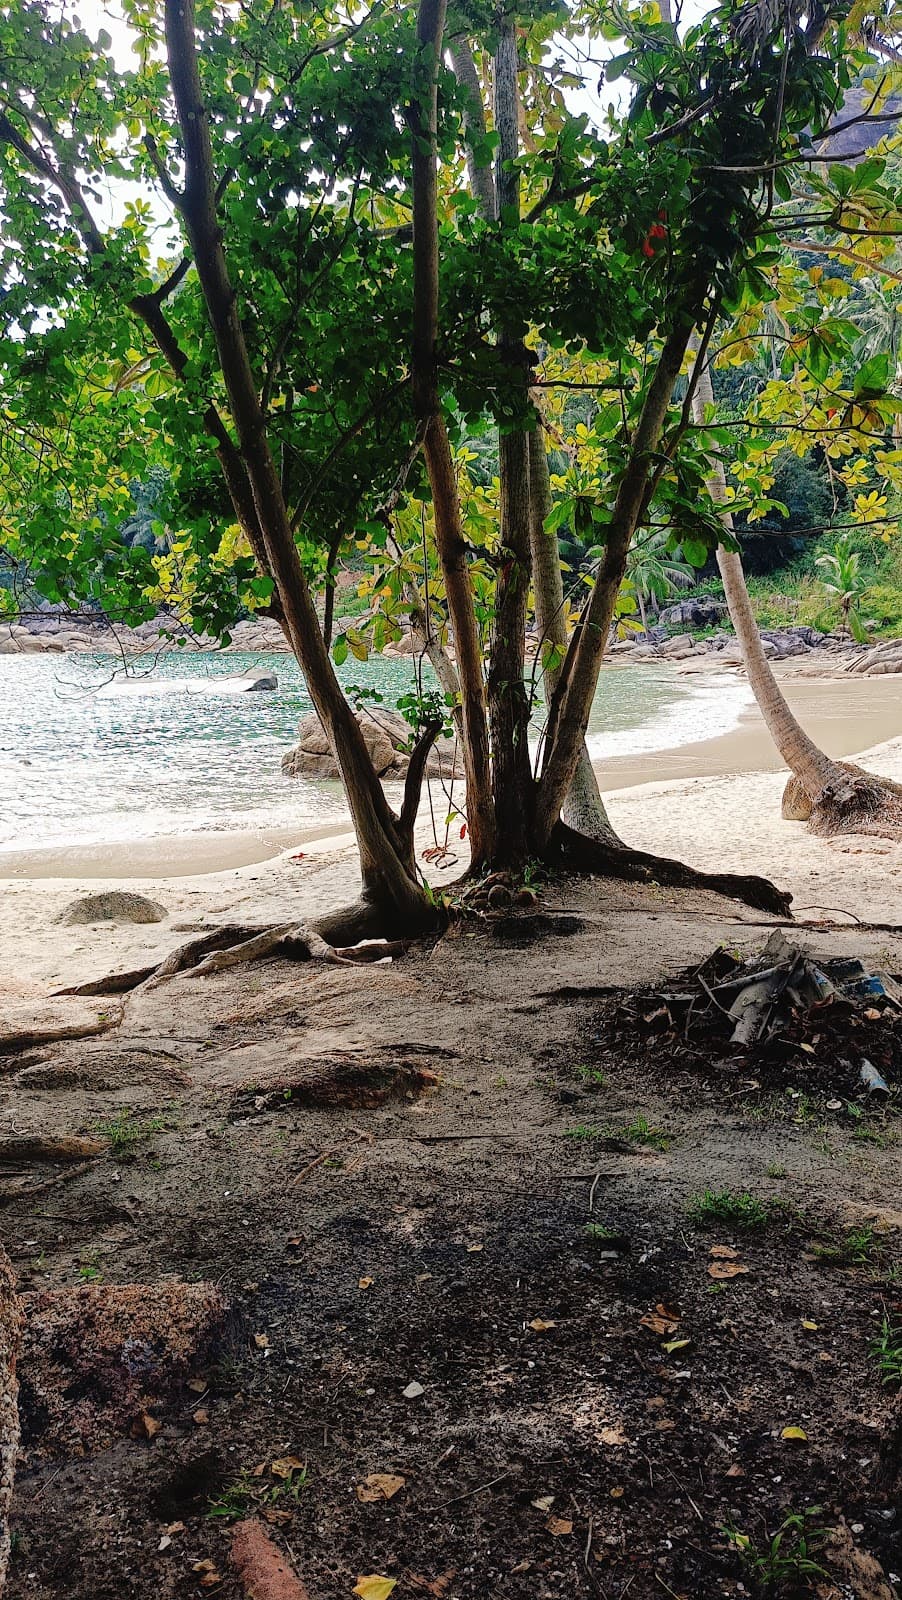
x=233 y=945
x=574 y=852
x=14 y=1042
x=35 y=1147
x=261 y=1566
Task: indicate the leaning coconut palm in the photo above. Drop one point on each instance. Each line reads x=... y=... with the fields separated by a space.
x=831 y=796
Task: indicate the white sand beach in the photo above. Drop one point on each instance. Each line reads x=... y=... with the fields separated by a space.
x=725 y=821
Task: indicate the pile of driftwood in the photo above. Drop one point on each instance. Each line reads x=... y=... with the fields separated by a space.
x=833 y=1021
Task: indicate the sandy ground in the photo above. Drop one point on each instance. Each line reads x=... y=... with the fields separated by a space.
x=725 y=822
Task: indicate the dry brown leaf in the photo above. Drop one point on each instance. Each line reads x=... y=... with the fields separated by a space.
x=664 y=1425
x=284 y=1466
x=661 y=1320
x=723 y=1252
x=559 y=1526
x=544 y=1502
x=379 y=1486
x=735 y=1471
x=276 y=1518
x=538 y=1325
x=726 y=1269
x=200 y=1417
x=473 y=1248
x=365 y=1283
x=617 y=1494
x=613 y=1436
x=147 y=1425
x=197 y=1385
x=261 y=1341
x=174 y=1527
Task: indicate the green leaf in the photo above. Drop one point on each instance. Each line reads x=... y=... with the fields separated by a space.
x=695 y=552
x=340 y=650
x=871 y=379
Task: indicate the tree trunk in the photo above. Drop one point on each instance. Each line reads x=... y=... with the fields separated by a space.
x=482 y=181
x=813 y=769
x=579 y=678
x=507 y=697
x=583 y=808
x=449 y=537
x=386 y=850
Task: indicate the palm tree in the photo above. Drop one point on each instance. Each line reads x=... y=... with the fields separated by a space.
x=848 y=583
x=653 y=574
x=832 y=796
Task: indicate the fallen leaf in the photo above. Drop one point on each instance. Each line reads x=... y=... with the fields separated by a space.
x=422 y=1277
x=656 y=1403
x=174 y=1527
x=664 y=1425
x=612 y=1436
x=211 y=1579
x=379 y=1486
x=558 y=1526
x=374 y=1587
x=735 y=1471
x=285 y=1466
x=872 y=1014
x=472 y=1248
x=197 y=1385
x=261 y=1341
x=810 y=1327
x=539 y=1326
x=204 y=1566
x=365 y=1283
x=148 y=1425
x=808 y=1049
x=616 y=1494
x=200 y=1417
x=660 y=1320
x=413 y=1390
x=723 y=1252
x=258 y=1470
x=726 y=1269
x=675 y=1344
x=544 y=1502
x=794 y=1433
x=276 y=1518
x=295 y=1241
x=165 y=1542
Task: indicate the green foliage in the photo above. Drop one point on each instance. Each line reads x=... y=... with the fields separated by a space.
x=712 y=1208
x=126 y=1131
x=886 y=1349
x=786 y=1563
x=846 y=580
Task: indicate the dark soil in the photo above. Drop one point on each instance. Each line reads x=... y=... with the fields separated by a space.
x=512 y=1239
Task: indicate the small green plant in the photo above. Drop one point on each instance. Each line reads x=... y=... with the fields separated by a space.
x=237 y=1496
x=786 y=1564
x=776 y=1171
x=592 y=1077
x=640 y=1131
x=708 y=1209
x=596 y=1233
x=125 y=1131
x=583 y=1131
x=90 y=1274
x=859 y=1247
x=887 y=1350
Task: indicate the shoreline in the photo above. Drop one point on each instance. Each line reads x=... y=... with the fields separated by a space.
x=843 y=716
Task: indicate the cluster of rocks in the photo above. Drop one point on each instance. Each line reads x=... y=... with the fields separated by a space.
x=387 y=737
x=880 y=659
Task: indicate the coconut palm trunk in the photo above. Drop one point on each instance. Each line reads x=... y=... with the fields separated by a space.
x=833 y=795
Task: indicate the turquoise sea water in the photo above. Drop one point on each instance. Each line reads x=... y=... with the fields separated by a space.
x=88 y=755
